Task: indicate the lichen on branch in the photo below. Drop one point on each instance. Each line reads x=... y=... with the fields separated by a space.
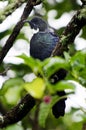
x=10 y=8
x=18 y=112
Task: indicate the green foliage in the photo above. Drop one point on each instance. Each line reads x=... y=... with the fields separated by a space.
x=35 y=88
x=78 y=66
x=20 y=70
x=45 y=69
x=45 y=109
x=63 y=85
x=83 y=33
x=40 y=86
x=14 y=127
x=51 y=65
x=11 y=91
x=74 y=65
x=34 y=65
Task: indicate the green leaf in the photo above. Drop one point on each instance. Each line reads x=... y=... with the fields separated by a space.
x=11 y=90
x=43 y=113
x=20 y=69
x=83 y=32
x=35 y=88
x=45 y=109
x=78 y=66
x=62 y=85
x=51 y=65
x=67 y=56
x=78 y=60
x=14 y=127
x=34 y=64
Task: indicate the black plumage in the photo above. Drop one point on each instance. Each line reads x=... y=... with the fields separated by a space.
x=44 y=43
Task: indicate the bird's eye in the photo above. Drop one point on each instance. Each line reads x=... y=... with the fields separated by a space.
x=34 y=26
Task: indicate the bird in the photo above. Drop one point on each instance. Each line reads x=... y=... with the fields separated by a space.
x=45 y=41
x=42 y=44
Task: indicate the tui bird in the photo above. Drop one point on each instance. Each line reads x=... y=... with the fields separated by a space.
x=41 y=46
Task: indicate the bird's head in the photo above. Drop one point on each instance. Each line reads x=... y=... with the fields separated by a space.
x=38 y=23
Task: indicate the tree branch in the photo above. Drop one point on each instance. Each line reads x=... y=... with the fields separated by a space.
x=18 y=112
x=17 y=28
x=10 y=8
x=70 y=32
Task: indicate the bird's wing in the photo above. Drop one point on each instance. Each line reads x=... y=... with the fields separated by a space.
x=42 y=44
